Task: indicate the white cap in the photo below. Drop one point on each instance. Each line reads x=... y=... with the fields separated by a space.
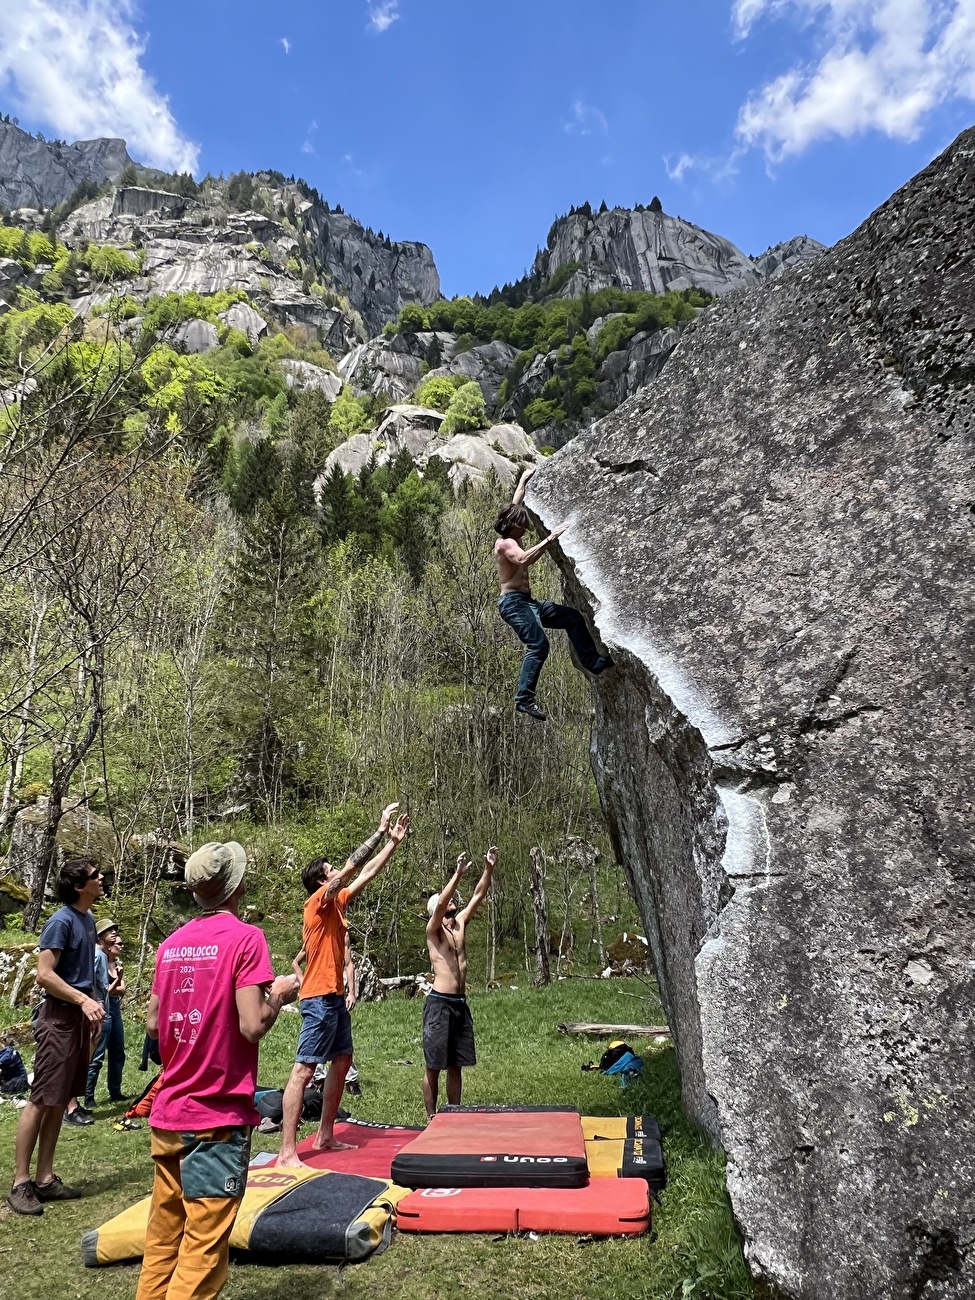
x=434 y=899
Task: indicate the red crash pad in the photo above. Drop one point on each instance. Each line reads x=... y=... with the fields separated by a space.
x=376 y=1145
x=603 y=1209
x=496 y=1146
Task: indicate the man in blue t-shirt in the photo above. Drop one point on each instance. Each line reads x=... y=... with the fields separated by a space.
x=69 y=1016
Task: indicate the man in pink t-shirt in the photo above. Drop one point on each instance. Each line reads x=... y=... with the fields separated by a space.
x=214 y=997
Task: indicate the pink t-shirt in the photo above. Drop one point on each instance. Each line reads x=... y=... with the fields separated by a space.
x=209 y=1067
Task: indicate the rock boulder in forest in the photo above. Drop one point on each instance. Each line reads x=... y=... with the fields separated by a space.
x=776 y=539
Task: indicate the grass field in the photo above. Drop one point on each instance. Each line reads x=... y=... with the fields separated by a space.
x=693 y=1250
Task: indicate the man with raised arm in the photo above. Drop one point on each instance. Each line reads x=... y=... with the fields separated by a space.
x=448 y=1030
x=326 y=1028
x=530 y=617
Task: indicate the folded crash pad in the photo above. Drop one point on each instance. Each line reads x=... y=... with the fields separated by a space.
x=620 y=1127
x=375 y=1147
x=311 y=1215
x=599 y=1210
x=626 y=1146
x=496 y=1146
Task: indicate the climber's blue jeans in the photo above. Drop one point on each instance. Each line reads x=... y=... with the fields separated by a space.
x=529 y=618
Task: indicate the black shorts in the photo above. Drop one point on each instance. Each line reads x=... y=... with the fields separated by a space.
x=448 y=1031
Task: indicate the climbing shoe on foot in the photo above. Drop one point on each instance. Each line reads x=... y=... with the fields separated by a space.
x=55 y=1190
x=533 y=711
x=23 y=1199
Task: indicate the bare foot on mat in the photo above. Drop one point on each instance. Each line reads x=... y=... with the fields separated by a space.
x=290 y=1162
x=332 y=1144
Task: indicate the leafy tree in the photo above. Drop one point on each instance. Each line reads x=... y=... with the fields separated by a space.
x=438 y=392
x=412 y=319
x=348 y=415
x=466 y=409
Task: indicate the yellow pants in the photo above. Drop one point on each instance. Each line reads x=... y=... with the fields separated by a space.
x=199 y=1181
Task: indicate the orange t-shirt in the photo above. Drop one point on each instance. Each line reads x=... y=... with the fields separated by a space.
x=323 y=936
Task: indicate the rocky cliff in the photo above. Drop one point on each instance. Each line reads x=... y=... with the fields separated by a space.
x=776 y=540
x=644 y=248
x=202 y=244
x=42 y=173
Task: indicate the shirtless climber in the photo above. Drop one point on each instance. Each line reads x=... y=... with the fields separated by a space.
x=448 y=1031
x=529 y=617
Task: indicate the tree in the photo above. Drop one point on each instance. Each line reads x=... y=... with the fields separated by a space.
x=269 y=613
x=412 y=319
x=348 y=414
x=437 y=392
x=466 y=409
x=95 y=575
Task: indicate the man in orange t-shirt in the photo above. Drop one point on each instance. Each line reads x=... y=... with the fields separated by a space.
x=326 y=1028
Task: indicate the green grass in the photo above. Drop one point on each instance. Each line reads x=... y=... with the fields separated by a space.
x=693 y=1251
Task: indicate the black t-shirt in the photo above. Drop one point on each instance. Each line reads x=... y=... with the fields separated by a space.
x=73 y=932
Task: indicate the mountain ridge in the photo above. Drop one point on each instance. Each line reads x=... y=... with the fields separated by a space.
x=640 y=248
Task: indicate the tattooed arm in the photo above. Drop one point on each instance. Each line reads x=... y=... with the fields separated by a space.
x=397 y=834
x=362 y=854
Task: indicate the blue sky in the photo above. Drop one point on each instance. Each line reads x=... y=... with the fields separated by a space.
x=471 y=126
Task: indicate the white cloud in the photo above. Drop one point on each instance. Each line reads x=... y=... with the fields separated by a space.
x=678 y=170
x=874 y=65
x=585 y=119
x=285 y=44
x=75 y=65
x=356 y=171
x=308 y=147
x=382 y=16
x=714 y=168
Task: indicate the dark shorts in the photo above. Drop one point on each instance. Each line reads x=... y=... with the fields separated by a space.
x=63 y=1038
x=326 y=1030
x=448 y=1032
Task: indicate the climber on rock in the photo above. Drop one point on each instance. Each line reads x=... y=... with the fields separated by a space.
x=530 y=617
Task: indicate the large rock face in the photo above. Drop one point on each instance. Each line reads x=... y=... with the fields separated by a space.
x=643 y=249
x=783 y=257
x=40 y=174
x=378 y=275
x=776 y=541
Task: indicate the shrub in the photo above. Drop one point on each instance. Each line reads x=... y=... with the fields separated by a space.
x=438 y=392
x=466 y=409
x=543 y=411
x=349 y=415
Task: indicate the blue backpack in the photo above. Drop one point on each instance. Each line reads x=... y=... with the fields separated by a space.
x=13 y=1073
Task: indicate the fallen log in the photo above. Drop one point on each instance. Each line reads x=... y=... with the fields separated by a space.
x=614 y=1031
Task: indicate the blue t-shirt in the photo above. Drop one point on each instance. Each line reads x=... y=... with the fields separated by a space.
x=73 y=932
x=102 y=977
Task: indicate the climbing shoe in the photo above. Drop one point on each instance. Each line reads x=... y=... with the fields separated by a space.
x=532 y=711
x=126 y=1125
